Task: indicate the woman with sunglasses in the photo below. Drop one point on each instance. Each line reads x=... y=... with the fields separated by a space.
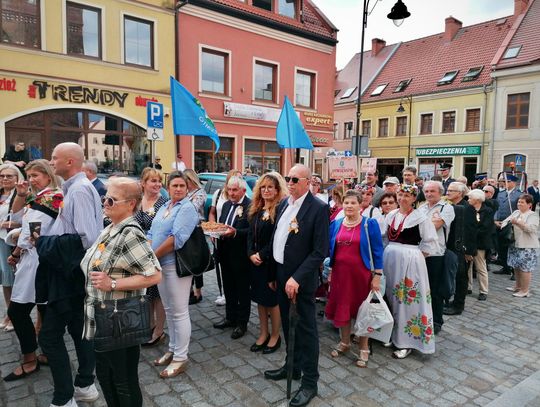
x=388 y=203
x=267 y=194
x=351 y=278
x=173 y=225
x=9 y=177
x=43 y=202
x=411 y=237
x=152 y=200
x=120 y=264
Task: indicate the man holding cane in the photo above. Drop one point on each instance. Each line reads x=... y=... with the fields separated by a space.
x=300 y=244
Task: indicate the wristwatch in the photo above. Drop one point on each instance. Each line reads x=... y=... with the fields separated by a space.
x=113 y=285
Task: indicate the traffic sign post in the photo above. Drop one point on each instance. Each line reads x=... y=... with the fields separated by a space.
x=154 y=125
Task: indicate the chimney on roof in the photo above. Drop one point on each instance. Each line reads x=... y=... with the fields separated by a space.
x=520 y=6
x=376 y=46
x=451 y=27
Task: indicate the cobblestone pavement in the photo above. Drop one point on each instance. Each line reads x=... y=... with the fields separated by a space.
x=489 y=354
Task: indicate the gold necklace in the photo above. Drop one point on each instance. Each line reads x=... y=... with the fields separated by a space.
x=346 y=242
x=350 y=225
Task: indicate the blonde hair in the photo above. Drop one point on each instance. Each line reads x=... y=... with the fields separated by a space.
x=257 y=203
x=45 y=168
x=192 y=177
x=12 y=167
x=129 y=188
x=148 y=173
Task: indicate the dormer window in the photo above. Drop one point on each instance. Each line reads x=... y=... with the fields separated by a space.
x=512 y=52
x=348 y=93
x=379 y=89
x=472 y=74
x=287 y=8
x=264 y=4
x=447 y=78
x=402 y=85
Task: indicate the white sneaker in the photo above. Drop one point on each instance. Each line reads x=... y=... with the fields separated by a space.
x=70 y=403
x=88 y=393
x=220 y=300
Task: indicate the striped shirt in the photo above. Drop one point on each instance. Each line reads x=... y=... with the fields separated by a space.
x=82 y=213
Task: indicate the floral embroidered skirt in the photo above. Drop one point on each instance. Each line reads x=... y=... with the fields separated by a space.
x=407 y=289
x=524 y=259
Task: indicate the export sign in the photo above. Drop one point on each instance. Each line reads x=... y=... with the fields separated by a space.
x=316 y=119
x=450 y=150
x=342 y=167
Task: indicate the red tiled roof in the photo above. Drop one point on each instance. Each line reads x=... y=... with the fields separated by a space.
x=527 y=36
x=348 y=77
x=314 y=21
x=426 y=60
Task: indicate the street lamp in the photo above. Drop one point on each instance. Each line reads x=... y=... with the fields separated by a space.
x=398 y=14
x=401 y=109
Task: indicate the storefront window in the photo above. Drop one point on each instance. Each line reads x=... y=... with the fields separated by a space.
x=113 y=143
x=262 y=156
x=208 y=161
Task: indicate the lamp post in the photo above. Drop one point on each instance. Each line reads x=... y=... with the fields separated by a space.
x=401 y=109
x=398 y=14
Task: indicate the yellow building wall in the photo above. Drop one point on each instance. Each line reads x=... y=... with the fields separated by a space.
x=53 y=65
x=397 y=146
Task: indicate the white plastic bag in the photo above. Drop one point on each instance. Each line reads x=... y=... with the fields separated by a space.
x=374 y=320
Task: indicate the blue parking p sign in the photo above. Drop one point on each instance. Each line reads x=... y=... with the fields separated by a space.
x=154 y=123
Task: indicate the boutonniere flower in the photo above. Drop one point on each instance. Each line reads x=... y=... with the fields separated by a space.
x=266 y=215
x=239 y=211
x=293 y=226
x=151 y=211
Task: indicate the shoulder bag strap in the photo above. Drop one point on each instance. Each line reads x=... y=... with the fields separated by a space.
x=371 y=265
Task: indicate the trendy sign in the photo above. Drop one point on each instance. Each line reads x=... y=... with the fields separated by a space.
x=342 y=167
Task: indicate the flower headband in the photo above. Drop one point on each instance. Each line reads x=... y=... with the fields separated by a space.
x=411 y=189
x=364 y=188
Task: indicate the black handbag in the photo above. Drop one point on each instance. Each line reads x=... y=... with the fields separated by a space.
x=121 y=323
x=507 y=233
x=194 y=257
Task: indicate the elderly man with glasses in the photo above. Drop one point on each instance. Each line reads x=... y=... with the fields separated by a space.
x=462 y=241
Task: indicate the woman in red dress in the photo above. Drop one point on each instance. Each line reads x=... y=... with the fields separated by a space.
x=351 y=278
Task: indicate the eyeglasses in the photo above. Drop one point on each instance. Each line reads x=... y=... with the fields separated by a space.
x=7 y=176
x=387 y=202
x=294 y=179
x=110 y=201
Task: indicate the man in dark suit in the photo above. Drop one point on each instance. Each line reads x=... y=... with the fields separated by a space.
x=300 y=244
x=535 y=193
x=90 y=169
x=233 y=258
x=462 y=241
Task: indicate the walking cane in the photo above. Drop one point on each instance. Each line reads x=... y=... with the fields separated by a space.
x=293 y=321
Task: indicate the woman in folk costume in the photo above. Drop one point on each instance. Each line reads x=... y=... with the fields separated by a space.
x=411 y=236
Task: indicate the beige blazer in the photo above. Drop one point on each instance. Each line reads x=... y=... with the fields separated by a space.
x=526 y=230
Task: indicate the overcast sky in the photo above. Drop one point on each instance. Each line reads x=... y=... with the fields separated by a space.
x=427 y=18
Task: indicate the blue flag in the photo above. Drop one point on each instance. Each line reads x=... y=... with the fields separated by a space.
x=289 y=132
x=188 y=116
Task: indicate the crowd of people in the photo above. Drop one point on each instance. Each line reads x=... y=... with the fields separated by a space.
x=69 y=243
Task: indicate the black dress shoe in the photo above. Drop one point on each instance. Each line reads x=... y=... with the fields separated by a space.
x=256 y=348
x=224 y=323
x=302 y=397
x=195 y=299
x=437 y=329
x=281 y=374
x=482 y=297
x=512 y=277
x=452 y=311
x=239 y=331
x=271 y=349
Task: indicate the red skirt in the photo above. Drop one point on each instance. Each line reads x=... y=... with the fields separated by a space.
x=351 y=280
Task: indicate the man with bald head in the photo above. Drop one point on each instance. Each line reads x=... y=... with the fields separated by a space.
x=300 y=244
x=60 y=281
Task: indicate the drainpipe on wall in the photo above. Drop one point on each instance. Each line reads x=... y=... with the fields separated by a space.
x=482 y=152
x=178 y=5
x=492 y=138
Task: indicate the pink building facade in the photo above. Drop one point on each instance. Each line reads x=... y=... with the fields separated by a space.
x=240 y=60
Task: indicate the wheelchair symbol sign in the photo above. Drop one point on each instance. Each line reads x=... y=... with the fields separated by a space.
x=154 y=134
